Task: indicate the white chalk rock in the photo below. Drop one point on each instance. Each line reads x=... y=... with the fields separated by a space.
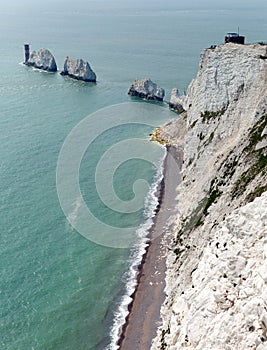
x=146 y=88
x=78 y=69
x=42 y=59
x=177 y=101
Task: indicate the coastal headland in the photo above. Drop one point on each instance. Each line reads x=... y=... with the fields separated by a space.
x=203 y=282
x=216 y=282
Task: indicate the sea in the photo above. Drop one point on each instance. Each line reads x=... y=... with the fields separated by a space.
x=78 y=192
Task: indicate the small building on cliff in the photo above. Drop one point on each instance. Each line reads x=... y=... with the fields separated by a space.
x=234 y=38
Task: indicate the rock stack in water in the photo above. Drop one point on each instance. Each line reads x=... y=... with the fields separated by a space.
x=145 y=88
x=42 y=59
x=176 y=101
x=78 y=69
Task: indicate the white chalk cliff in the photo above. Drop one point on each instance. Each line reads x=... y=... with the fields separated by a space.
x=216 y=283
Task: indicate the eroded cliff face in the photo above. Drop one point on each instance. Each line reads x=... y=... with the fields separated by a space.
x=216 y=279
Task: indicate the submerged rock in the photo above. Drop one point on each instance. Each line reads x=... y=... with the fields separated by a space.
x=78 y=69
x=42 y=59
x=176 y=101
x=145 y=88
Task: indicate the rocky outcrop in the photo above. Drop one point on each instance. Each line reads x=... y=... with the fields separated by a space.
x=147 y=89
x=42 y=59
x=216 y=282
x=78 y=69
x=224 y=305
x=176 y=101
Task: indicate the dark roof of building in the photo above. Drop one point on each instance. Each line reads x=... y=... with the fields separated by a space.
x=232 y=34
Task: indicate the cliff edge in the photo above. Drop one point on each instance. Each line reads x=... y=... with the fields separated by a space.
x=216 y=282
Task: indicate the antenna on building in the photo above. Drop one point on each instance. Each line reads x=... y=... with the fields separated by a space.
x=27 y=52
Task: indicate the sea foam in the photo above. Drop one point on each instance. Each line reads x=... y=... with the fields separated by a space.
x=136 y=256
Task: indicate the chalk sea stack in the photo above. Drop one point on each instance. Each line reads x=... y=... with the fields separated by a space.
x=176 y=101
x=42 y=59
x=147 y=89
x=78 y=69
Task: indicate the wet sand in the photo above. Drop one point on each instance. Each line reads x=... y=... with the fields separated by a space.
x=144 y=317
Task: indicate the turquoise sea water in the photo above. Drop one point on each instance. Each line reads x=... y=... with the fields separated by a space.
x=58 y=289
